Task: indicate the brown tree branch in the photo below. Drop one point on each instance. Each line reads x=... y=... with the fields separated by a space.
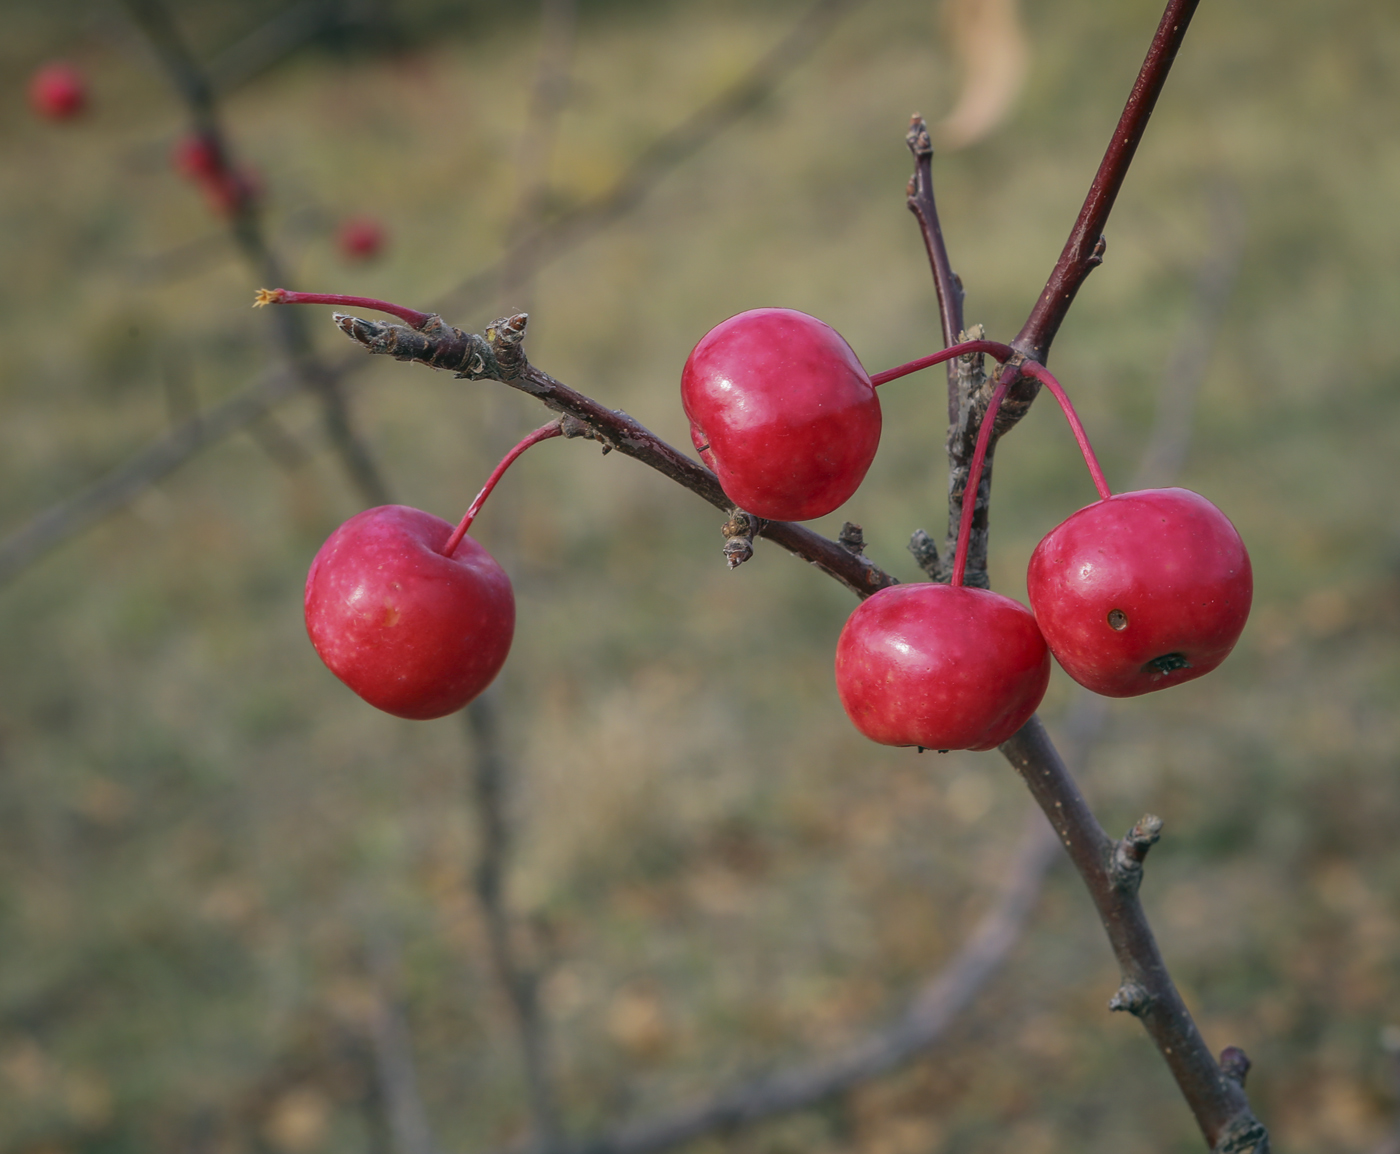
x=1112 y=872
x=498 y=355
x=968 y=387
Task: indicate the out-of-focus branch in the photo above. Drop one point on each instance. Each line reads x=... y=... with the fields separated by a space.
x=934 y=1008
x=396 y=1073
x=558 y=19
x=1166 y=444
x=55 y=525
x=1083 y=251
x=138 y=473
x=193 y=86
x=520 y=983
x=291 y=28
x=552 y=239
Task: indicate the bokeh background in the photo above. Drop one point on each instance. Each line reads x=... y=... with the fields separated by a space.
x=218 y=867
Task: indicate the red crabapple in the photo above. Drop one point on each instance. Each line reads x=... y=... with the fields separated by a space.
x=940 y=666
x=414 y=631
x=58 y=91
x=782 y=411
x=360 y=238
x=1141 y=591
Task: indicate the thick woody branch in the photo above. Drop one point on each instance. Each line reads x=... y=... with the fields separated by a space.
x=1111 y=871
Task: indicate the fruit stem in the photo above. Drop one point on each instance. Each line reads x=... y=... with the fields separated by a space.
x=974 y=476
x=543 y=433
x=281 y=296
x=1045 y=377
x=1003 y=353
x=984 y=435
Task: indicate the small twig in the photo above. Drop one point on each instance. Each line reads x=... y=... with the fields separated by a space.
x=138 y=473
x=945 y=281
x=520 y=983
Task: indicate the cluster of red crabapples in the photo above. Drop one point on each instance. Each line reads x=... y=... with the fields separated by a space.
x=1136 y=592
x=1131 y=594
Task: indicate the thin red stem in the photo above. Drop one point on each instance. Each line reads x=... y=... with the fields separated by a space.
x=1046 y=378
x=543 y=433
x=974 y=476
x=1003 y=353
x=984 y=437
x=280 y=296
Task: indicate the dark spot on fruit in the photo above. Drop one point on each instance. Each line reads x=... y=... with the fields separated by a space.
x=1117 y=619
x=1167 y=663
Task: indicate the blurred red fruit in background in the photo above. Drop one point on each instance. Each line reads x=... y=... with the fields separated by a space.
x=58 y=91
x=361 y=238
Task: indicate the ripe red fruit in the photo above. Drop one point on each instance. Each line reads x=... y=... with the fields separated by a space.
x=196 y=157
x=1141 y=591
x=415 y=633
x=782 y=411
x=58 y=91
x=360 y=238
x=941 y=666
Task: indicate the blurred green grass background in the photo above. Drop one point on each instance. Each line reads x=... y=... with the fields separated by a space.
x=204 y=833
